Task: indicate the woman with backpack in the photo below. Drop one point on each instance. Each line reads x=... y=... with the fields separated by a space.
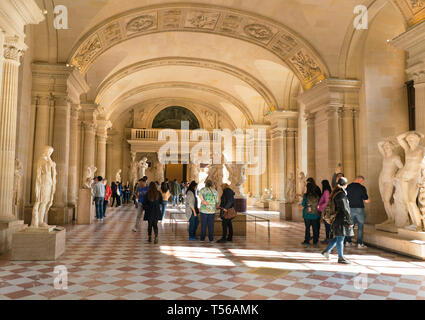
x=310 y=214
x=340 y=219
x=151 y=205
x=324 y=199
x=227 y=201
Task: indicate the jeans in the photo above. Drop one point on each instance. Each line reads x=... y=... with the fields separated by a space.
x=175 y=200
x=126 y=197
x=153 y=224
x=359 y=218
x=117 y=198
x=193 y=225
x=328 y=230
x=227 y=225
x=207 y=220
x=163 y=207
x=105 y=206
x=99 y=207
x=315 y=224
x=139 y=216
x=338 y=241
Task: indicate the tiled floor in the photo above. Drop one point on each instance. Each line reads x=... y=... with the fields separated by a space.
x=107 y=260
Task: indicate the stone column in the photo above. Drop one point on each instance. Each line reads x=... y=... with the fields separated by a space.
x=101 y=136
x=10 y=52
x=348 y=143
x=73 y=156
x=291 y=154
x=311 y=146
x=334 y=138
x=89 y=146
x=413 y=41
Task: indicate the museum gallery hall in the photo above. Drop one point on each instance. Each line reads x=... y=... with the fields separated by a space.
x=250 y=99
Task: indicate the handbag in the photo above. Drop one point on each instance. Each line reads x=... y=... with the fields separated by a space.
x=230 y=214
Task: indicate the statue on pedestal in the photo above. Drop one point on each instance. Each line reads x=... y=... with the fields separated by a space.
x=90 y=171
x=302 y=185
x=45 y=187
x=215 y=174
x=134 y=166
x=143 y=165
x=17 y=186
x=290 y=189
x=237 y=176
x=118 y=176
x=159 y=171
x=391 y=163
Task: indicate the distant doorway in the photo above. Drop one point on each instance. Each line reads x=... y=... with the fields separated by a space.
x=176 y=171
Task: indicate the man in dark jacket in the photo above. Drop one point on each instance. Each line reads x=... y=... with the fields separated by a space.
x=342 y=226
x=227 y=201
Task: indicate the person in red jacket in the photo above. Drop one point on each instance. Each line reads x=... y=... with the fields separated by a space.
x=108 y=194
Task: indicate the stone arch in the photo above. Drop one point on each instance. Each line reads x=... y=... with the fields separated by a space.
x=292 y=49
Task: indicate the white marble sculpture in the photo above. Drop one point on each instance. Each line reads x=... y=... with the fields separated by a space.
x=391 y=163
x=290 y=194
x=158 y=170
x=90 y=171
x=45 y=187
x=143 y=166
x=237 y=176
x=118 y=176
x=134 y=167
x=215 y=174
x=194 y=170
x=267 y=195
x=17 y=186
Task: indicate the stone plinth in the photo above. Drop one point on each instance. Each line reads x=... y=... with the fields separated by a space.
x=285 y=211
x=401 y=242
x=7 y=229
x=30 y=245
x=297 y=212
x=274 y=205
x=263 y=204
x=239 y=226
x=387 y=228
x=86 y=208
x=241 y=204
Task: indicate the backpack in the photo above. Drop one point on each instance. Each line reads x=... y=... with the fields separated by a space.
x=312 y=202
x=329 y=213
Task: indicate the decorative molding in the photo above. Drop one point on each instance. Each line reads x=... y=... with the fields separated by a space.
x=256 y=29
x=15 y=14
x=193 y=62
x=412 y=10
x=185 y=85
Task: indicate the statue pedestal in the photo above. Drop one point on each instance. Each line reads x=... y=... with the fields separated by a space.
x=7 y=229
x=387 y=228
x=285 y=211
x=297 y=212
x=60 y=215
x=263 y=204
x=240 y=203
x=405 y=242
x=86 y=209
x=40 y=245
x=239 y=226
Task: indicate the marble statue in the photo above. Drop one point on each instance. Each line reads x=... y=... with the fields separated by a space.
x=421 y=197
x=215 y=174
x=302 y=185
x=134 y=167
x=237 y=176
x=143 y=165
x=409 y=175
x=17 y=186
x=194 y=172
x=159 y=170
x=118 y=176
x=267 y=195
x=391 y=163
x=90 y=171
x=45 y=187
x=290 y=194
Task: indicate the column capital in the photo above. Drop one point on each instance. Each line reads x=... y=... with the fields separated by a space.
x=102 y=128
x=13 y=48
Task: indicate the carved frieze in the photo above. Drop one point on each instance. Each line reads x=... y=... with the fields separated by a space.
x=171 y=19
x=201 y=20
x=231 y=23
x=112 y=33
x=258 y=31
x=141 y=23
x=88 y=50
x=305 y=65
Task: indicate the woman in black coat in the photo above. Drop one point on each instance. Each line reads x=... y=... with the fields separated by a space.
x=227 y=201
x=342 y=226
x=152 y=206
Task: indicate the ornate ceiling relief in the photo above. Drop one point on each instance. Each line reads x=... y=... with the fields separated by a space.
x=223 y=21
x=306 y=67
x=413 y=10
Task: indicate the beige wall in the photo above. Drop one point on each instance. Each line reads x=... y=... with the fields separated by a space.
x=383 y=108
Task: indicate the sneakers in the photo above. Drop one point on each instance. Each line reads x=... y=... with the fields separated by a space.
x=134 y=230
x=326 y=254
x=156 y=240
x=229 y=239
x=149 y=239
x=343 y=261
x=193 y=238
x=326 y=241
x=361 y=246
x=222 y=241
x=305 y=243
x=349 y=244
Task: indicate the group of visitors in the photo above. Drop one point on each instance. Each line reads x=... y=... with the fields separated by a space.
x=340 y=208
x=177 y=191
x=102 y=193
x=120 y=194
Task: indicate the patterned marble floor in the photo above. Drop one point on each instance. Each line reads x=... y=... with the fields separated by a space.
x=106 y=260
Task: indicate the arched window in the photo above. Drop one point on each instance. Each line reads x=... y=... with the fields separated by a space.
x=171 y=118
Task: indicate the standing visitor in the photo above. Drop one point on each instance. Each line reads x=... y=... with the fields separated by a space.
x=126 y=193
x=227 y=201
x=141 y=193
x=99 y=196
x=175 y=191
x=324 y=199
x=357 y=197
x=192 y=211
x=342 y=226
x=310 y=214
x=209 y=203
x=151 y=204
x=337 y=174
x=114 y=189
x=108 y=194
x=119 y=193
x=316 y=188
x=165 y=193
